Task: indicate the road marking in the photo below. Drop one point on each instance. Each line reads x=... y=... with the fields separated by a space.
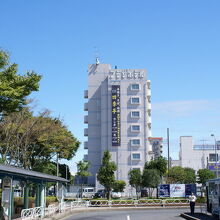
x=128 y=217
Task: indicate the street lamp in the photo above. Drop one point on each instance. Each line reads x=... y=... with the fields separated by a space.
x=216 y=156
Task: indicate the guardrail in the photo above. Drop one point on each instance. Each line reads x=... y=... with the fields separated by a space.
x=41 y=212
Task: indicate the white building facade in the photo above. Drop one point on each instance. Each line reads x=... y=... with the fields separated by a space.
x=118 y=118
x=199 y=156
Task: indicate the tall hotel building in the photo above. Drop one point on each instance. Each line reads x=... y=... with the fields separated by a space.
x=119 y=119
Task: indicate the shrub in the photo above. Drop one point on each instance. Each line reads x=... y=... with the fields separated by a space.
x=200 y=200
x=50 y=200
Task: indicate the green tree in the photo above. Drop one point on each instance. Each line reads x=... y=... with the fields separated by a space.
x=119 y=186
x=204 y=175
x=176 y=175
x=49 y=168
x=159 y=164
x=190 y=175
x=106 y=174
x=135 y=180
x=150 y=179
x=27 y=140
x=14 y=88
x=82 y=172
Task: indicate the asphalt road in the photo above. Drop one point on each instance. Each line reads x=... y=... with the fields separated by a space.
x=130 y=214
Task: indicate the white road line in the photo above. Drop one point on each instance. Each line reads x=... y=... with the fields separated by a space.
x=128 y=217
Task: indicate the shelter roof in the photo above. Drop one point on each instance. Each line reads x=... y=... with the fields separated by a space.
x=22 y=174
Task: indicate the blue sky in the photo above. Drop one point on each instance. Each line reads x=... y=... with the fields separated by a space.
x=177 y=41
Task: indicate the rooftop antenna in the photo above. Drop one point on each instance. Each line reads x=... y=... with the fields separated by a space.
x=97 y=60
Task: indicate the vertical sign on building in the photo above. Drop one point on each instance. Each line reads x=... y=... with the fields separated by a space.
x=116 y=116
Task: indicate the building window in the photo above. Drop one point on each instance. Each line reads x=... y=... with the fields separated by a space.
x=135 y=114
x=136 y=156
x=135 y=128
x=135 y=142
x=135 y=100
x=135 y=87
x=213 y=157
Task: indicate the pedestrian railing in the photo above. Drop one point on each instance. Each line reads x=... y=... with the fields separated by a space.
x=135 y=203
x=41 y=212
x=32 y=213
x=27 y=214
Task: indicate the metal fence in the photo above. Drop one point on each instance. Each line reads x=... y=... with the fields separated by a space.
x=41 y=212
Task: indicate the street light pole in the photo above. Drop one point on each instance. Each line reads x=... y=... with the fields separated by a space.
x=216 y=156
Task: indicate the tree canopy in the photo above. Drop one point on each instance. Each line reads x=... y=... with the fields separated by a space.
x=190 y=175
x=159 y=164
x=150 y=179
x=135 y=179
x=82 y=169
x=204 y=175
x=179 y=174
x=27 y=140
x=82 y=172
x=176 y=175
x=14 y=88
x=119 y=185
x=106 y=176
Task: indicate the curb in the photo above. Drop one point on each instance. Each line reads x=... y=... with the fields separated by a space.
x=188 y=217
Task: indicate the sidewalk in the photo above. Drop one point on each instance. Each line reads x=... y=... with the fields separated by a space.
x=198 y=216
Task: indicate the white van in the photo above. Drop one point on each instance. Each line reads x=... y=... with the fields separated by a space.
x=88 y=192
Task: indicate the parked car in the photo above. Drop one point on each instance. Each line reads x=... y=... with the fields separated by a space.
x=116 y=195
x=100 y=193
x=87 y=192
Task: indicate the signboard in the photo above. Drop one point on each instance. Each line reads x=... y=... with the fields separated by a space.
x=214 y=167
x=177 y=190
x=164 y=190
x=116 y=116
x=190 y=188
x=126 y=74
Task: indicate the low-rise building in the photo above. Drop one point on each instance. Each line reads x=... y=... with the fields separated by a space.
x=199 y=156
x=157 y=146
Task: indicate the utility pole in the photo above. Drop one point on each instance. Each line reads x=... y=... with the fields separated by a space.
x=57 y=164
x=168 y=148
x=57 y=186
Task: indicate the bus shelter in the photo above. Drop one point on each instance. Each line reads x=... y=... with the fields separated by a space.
x=11 y=174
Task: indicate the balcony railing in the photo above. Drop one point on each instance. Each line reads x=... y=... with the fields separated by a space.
x=85 y=156
x=85 y=94
x=86 y=132
x=86 y=119
x=86 y=106
x=85 y=145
